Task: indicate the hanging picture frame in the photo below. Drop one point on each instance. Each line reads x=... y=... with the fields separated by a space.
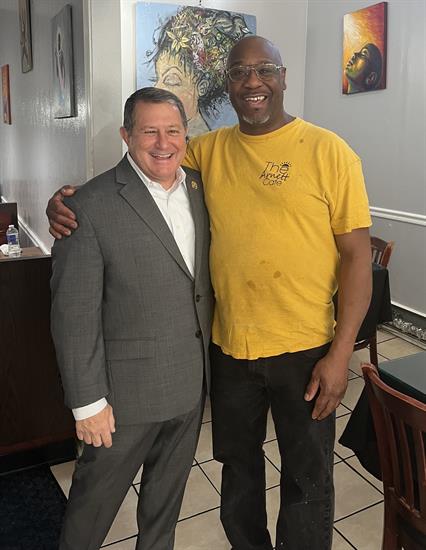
x=5 y=87
x=365 y=49
x=63 y=64
x=25 y=35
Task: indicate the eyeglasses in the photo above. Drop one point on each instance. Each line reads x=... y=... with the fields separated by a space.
x=264 y=71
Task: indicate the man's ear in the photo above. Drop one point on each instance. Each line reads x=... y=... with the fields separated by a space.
x=124 y=135
x=283 y=83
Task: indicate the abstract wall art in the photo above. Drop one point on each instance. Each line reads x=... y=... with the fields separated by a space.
x=184 y=49
x=364 y=49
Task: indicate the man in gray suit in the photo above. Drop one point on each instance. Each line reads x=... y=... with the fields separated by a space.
x=131 y=316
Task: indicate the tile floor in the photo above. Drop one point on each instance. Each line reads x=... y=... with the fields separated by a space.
x=359 y=498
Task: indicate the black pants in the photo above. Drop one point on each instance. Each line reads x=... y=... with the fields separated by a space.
x=242 y=393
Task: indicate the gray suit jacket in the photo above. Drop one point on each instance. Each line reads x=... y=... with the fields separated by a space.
x=128 y=320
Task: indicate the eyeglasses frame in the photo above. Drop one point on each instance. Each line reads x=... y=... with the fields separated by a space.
x=250 y=68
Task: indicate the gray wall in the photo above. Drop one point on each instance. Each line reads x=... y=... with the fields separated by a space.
x=38 y=153
x=387 y=128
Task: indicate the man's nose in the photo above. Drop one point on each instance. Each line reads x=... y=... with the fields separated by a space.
x=162 y=140
x=253 y=78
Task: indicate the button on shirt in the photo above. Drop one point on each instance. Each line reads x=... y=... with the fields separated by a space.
x=174 y=205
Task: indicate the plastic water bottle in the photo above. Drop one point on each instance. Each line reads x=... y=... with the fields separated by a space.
x=13 y=246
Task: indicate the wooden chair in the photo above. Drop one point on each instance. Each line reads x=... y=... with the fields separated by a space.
x=380 y=254
x=400 y=425
x=381 y=251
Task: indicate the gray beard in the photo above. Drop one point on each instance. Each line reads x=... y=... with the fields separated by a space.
x=256 y=120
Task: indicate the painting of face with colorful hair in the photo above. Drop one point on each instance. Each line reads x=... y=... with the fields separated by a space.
x=187 y=55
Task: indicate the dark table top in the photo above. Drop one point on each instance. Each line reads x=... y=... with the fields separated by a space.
x=407 y=375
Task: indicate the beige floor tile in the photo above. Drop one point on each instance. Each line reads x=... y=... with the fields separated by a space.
x=125 y=522
x=63 y=474
x=393 y=349
x=342 y=410
x=353 y=392
x=355 y=463
x=339 y=542
x=128 y=544
x=213 y=471
x=352 y=374
x=138 y=476
x=364 y=529
x=352 y=492
x=383 y=335
x=199 y=495
x=205 y=449
x=273 y=453
x=207 y=416
x=270 y=428
x=362 y=356
x=272 y=509
x=342 y=451
x=203 y=532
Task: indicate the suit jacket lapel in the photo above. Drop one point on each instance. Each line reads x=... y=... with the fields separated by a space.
x=195 y=194
x=139 y=198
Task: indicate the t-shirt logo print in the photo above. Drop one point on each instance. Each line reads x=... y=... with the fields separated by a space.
x=275 y=173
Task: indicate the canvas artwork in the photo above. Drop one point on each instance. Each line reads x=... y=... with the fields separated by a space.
x=364 y=49
x=25 y=35
x=184 y=49
x=63 y=66
x=7 y=119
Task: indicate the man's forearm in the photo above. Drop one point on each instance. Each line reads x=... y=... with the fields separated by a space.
x=355 y=286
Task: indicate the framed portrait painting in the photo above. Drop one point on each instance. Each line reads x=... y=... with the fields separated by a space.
x=5 y=88
x=364 y=49
x=184 y=49
x=63 y=64
x=25 y=35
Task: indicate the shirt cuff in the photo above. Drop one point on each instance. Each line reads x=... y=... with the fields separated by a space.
x=81 y=413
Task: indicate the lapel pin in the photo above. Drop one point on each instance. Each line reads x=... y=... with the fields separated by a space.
x=194 y=184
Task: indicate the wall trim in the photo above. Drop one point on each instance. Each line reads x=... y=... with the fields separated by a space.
x=410 y=309
x=30 y=233
x=398 y=215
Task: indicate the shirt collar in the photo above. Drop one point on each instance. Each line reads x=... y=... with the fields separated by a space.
x=180 y=177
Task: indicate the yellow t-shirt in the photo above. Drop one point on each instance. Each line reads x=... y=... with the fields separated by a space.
x=275 y=203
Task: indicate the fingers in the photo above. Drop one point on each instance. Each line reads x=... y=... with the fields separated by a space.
x=67 y=190
x=97 y=440
x=324 y=405
x=97 y=429
x=312 y=388
x=112 y=422
x=54 y=233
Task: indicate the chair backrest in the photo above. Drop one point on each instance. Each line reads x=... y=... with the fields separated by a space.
x=400 y=424
x=381 y=251
x=8 y=216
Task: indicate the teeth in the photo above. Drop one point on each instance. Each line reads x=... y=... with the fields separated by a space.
x=255 y=99
x=162 y=156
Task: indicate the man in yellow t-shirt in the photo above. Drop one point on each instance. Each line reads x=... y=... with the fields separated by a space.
x=289 y=218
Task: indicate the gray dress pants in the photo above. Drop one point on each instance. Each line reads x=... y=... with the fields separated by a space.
x=103 y=477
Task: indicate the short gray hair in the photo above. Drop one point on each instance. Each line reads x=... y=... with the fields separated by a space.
x=150 y=95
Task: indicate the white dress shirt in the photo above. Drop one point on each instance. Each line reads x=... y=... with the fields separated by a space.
x=174 y=205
